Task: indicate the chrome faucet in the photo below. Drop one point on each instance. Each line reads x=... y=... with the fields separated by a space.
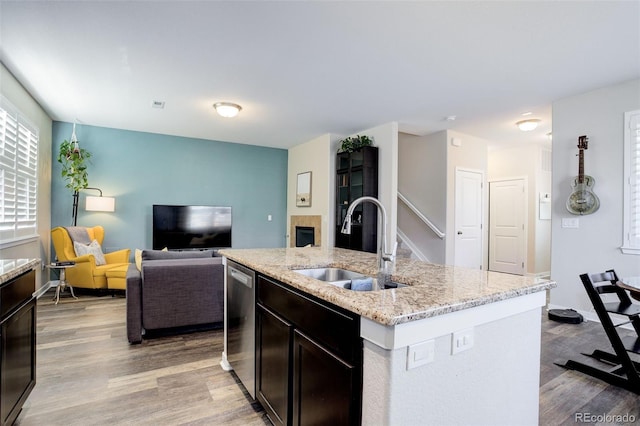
x=386 y=259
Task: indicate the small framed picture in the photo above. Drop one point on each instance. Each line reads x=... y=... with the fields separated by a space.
x=303 y=190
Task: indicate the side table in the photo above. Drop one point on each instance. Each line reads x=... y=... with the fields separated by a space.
x=61 y=284
x=632 y=284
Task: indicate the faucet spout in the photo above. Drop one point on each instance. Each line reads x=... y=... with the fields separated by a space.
x=386 y=258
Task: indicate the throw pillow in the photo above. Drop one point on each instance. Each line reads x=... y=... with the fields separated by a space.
x=138 y=259
x=93 y=248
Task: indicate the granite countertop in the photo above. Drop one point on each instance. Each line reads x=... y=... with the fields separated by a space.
x=432 y=289
x=11 y=268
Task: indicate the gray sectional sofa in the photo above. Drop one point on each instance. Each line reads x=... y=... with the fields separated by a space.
x=174 y=291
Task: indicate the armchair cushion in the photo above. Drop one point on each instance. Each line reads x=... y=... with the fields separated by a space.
x=86 y=274
x=93 y=248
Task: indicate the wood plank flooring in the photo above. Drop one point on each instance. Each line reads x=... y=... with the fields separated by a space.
x=88 y=374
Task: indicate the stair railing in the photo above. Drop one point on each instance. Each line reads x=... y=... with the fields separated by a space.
x=422 y=217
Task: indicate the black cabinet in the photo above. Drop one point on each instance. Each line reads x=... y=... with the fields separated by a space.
x=322 y=380
x=308 y=358
x=273 y=358
x=17 y=345
x=357 y=176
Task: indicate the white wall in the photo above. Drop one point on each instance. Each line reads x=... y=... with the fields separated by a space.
x=422 y=175
x=318 y=157
x=471 y=155
x=467 y=388
x=525 y=161
x=21 y=99
x=427 y=174
x=385 y=137
x=595 y=245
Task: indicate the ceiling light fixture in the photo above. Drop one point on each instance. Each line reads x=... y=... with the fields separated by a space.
x=227 y=109
x=528 y=125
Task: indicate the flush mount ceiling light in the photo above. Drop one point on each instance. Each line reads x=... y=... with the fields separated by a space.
x=227 y=109
x=528 y=125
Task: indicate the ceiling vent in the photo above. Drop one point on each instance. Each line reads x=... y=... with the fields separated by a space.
x=157 y=104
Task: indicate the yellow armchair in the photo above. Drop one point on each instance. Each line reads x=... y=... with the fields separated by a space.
x=86 y=274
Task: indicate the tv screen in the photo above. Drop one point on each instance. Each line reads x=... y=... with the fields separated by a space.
x=191 y=227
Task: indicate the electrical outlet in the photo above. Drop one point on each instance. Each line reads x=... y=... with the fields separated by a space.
x=421 y=354
x=461 y=341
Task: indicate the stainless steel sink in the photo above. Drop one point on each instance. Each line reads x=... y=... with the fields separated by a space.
x=343 y=277
x=330 y=274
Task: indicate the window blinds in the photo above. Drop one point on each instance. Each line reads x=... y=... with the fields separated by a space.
x=18 y=175
x=632 y=185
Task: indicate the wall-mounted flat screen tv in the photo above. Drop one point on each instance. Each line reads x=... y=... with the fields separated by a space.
x=191 y=227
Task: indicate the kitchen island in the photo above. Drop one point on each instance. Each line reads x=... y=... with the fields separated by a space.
x=17 y=335
x=456 y=346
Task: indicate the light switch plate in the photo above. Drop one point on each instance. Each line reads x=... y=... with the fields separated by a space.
x=570 y=222
x=421 y=354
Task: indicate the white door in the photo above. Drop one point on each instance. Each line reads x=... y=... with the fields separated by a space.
x=507 y=238
x=468 y=219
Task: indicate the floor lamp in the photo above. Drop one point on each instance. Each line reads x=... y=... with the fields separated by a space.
x=93 y=204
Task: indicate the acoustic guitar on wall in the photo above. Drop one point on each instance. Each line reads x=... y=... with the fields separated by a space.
x=583 y=200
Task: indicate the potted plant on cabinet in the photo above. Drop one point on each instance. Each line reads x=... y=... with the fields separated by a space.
x=74 y=168
x=354 y=143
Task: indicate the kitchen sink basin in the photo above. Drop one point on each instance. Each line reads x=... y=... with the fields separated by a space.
x=343 y=278
x=330 y=274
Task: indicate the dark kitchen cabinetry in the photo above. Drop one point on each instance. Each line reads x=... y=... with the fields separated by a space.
x=17 y=345
x=273 y=358
x=308 y=358
x=319 y=375
x=357 y=176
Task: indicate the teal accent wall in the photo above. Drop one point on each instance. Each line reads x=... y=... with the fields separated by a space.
x=141 y=169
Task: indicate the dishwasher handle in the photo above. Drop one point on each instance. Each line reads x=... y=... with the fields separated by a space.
x=240 y=277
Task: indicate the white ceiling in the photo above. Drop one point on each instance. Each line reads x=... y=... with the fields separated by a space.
x=303 y=69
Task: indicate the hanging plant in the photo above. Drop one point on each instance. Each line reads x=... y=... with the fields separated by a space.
x=74 y=165
x=354 y=143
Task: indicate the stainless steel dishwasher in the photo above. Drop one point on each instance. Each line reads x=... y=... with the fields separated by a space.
x=240 y=324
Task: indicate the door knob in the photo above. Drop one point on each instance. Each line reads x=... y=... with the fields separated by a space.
x=459 y=232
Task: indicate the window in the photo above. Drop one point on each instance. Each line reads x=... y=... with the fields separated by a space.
x=631 y=243
x=18 y=175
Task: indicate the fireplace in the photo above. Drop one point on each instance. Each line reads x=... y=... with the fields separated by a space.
x=310 y=231
x=305 y=235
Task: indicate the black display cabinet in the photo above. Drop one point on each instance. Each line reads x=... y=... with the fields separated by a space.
x=357 y=176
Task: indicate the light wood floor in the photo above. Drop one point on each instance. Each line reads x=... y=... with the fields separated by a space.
x=88 y=374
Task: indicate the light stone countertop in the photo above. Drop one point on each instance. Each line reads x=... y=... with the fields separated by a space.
x=11 y=268
x=433 y=289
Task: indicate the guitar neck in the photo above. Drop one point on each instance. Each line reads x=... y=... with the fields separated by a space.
x=581 y=166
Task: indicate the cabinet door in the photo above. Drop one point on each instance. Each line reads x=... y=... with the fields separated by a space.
x=273 y=356
x=325 y=388
x=17 y=361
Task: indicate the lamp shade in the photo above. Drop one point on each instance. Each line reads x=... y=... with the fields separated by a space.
x=227 y=109
x=100 y=204
x=528 y=125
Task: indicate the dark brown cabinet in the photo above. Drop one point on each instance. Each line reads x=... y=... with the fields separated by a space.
x=273 y=358
x=308 y=358
x=357 y=176
x=323 y=386
x=17 y=345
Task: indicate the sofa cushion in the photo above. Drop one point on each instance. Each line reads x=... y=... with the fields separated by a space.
x=187 y=254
